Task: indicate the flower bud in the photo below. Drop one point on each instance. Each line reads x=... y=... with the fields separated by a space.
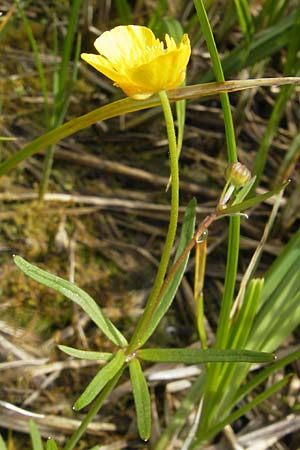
x=237 y=174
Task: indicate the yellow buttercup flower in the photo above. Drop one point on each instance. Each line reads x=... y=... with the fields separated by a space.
x=138 y=62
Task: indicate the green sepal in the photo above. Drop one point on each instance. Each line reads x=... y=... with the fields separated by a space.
x=242 y=193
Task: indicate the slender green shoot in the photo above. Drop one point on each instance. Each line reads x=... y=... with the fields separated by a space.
x=163 y=265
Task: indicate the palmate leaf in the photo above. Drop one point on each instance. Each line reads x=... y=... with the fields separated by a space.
x=100 y=380
x=196 y=356
x=141 y=399
x=77 y=295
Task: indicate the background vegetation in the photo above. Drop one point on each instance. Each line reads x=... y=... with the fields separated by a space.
x=101 y=218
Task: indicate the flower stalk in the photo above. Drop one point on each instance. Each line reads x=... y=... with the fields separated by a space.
x=152 y=303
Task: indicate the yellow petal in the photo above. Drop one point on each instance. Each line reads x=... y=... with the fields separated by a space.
x=165 y=72
x=137 y=62
x=124 y=43
x=170 y=43
x=101 y=64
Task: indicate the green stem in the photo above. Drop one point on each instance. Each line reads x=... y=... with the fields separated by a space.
x=232 y=258
x=48 y=162
x=234 y=229
x=137 y=339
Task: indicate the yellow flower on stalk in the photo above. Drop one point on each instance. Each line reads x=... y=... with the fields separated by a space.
x=138 y=62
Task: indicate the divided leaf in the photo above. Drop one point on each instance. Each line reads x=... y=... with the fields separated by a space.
x=100 y=380
x=141 y=399
x=77 y=295
x=186 y=235
x=197 y=356
x=84 y=354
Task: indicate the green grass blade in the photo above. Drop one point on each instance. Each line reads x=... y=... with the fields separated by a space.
x=271 y=12
x=241 y=411
x=68 y=43
x=280 y=310
x=35 y=436
x=180 y=417
x=234 y=223
x=292 y=60
x=266 y=43
x=218 y=71
x=161 y=7
x=227 y=383
x=291 y=156
x=77 y=295
x=280 y=327
x=243 y=322
x=234 y=227
x=69 y=88
x=60 y=109
x=62 y=88
x=51 y=445
x=129 y=105
x=262 y=376
x=100 y=380
x=230 y=280
x=84 y=354
x=2 y=444
x=37 y=60
x=282 y=266
x=124 y=12
x=271 y=130
x=141 y=397
x=292 y=66
x=245 y=18
x=195 y=356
